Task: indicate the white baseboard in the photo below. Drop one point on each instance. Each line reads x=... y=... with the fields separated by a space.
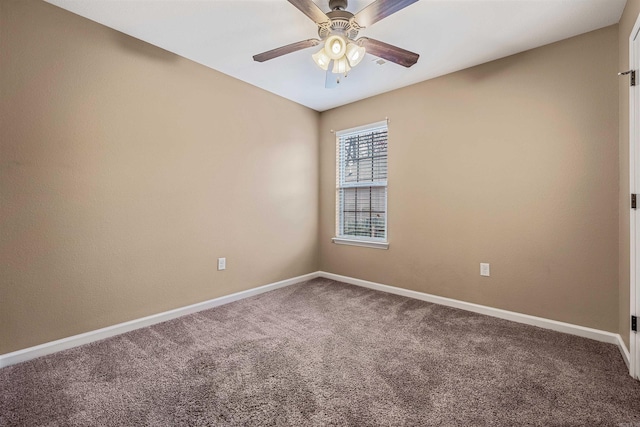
x=568 y=328
x=624 y=351
x=100 y=334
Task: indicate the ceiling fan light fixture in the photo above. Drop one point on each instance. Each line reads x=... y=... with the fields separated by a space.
x=321 y=59
x=335 y=47
x=354 y=54
x=341 y=66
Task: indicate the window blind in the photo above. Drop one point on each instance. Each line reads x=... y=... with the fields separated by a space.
x=362 y=183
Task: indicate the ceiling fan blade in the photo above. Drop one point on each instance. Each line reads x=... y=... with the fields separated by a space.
x=283 y=50
x=380 y=9
x=310 y=9
x=389 y=52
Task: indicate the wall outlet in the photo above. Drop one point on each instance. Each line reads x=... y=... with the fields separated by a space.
x=484 y=269
x=222 y=263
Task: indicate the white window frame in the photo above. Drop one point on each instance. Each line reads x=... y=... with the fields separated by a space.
x=370 y=242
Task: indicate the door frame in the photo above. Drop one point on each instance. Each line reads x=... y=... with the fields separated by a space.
x=634 y=183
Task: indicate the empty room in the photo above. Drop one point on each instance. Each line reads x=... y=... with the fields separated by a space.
x=314 y=212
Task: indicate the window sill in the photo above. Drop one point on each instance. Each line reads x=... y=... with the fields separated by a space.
x=362 y=243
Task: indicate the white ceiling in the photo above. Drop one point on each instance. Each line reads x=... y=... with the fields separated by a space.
x=449 y=35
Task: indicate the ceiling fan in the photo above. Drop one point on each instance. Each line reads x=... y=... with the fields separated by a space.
x=338 y=30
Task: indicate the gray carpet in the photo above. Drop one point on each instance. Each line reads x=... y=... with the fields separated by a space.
x=326 y=353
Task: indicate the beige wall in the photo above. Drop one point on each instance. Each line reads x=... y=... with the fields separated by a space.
x=515 y=163
x=125 y=171
x=627 y=22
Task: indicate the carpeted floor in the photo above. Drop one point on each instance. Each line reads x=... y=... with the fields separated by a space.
x=326 y=353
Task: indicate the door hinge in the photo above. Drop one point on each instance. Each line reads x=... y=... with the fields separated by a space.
x=634 y=323
x=634 y=203
x=632 y=77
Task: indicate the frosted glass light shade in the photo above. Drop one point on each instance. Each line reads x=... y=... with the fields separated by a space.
x=335 y=47
x=322 y=59
x=354 y=54
x=340 y=66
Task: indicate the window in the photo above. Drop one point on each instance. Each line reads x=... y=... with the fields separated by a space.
x=361 y=199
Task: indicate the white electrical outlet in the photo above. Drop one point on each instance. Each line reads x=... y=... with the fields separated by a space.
x=222 y=263
x=484 y=269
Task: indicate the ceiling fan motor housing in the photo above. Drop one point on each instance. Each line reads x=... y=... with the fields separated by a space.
x=341 y=23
